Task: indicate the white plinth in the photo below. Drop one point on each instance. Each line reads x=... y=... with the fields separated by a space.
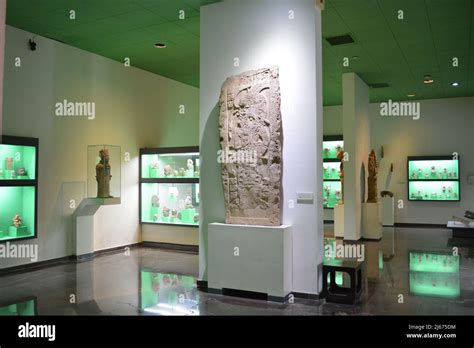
x=388 y=210
x=339 y=220
x=371 y=224
x=250 y=258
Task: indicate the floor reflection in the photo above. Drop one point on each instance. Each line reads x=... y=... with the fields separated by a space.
x=168 y=294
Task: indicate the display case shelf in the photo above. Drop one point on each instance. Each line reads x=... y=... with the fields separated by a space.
x=169 y=186
x=433 y=178
x=18 y=188
x=331 y=167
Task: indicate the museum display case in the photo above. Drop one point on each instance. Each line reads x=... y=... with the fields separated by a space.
x=332 y=188
x=104 y=171
x=169 y=186
x=18 y=188
x=24 y=307
x=434 y=274
x=168 y=294
x=433 y=178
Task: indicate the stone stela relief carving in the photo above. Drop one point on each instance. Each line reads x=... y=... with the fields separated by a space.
x=372 y=180
x=250 y=127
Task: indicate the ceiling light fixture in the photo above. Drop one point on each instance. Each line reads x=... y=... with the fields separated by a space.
x=455 y=84
x=159 y=45
x=411 y=95
x=428 y=79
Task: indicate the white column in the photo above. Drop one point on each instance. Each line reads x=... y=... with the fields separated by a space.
x=3 y=10
x=262 y=34
x=356 y=131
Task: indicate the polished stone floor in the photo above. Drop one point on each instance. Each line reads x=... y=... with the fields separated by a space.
x=156 y=282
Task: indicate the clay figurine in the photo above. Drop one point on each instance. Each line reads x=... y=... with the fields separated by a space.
x=17 y=220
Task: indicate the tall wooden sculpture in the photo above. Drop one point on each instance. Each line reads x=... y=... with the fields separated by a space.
x=340 y=156
x=372 y=196
x=103 y=175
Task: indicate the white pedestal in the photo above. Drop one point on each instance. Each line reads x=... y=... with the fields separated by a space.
x=371 y=225
x=250 y=258
x=339 y=220
x=84 y=226
x=388 y=211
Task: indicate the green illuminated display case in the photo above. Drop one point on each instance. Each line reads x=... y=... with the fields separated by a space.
x=168 y=294
x=434 y=178
x=169 y=186
x=18 y=188
x=434 y=274
x=332 y=190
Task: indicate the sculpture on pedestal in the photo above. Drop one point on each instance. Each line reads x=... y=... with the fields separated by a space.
x=250 y=125
x=103 y=175
x=372 y=180
x=340 y=156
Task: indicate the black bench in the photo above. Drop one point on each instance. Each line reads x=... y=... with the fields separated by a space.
x=332 y=292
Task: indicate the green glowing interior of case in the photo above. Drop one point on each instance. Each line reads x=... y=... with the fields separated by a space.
x=434 y=190
x=168 y=294
x=26 y=308
x=17 y=200
x=17 y=162
x=330 y=148
x=177 y=203
x=433 y=169
x=154 y=166
x=331 y=193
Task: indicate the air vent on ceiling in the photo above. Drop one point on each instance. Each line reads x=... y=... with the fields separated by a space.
x=340 y=40
x=379 y=85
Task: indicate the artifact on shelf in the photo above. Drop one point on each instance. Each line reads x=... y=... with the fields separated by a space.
x=16 y=220
x=188 y=203
x=166 y=211
x=181 y=172
x=340 y=156
x=9 y=163
x=372 y=196
x=386 y=193
x=21 y=171
x=250 y=122
x=103 y=174
x=167 y=170
x=155 y=201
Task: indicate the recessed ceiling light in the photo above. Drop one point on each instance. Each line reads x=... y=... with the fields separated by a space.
x=159 y=45
x=411 y=95
x=355 y=57
x=455 y=84
x=428 y=79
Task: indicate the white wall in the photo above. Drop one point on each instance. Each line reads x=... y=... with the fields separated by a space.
x=261 y=35
x=445 y=126
x=3 y=5
x=356 y=132
x=134 y=109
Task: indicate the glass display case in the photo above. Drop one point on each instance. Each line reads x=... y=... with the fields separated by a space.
x=168 y=294
x=104 y=164
x=434 y=274
x=18 y=188
x=433 y=178
x=332 y=190
x=169 y=186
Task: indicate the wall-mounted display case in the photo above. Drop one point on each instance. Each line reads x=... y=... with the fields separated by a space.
x=332 y=190
x=434 y=274
x=18 y=188
x=23 y=307
x=433 y=178
x=169 y=186
x=168 y=294
x=104 y=164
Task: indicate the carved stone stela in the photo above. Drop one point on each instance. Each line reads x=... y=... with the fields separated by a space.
x=251 y=135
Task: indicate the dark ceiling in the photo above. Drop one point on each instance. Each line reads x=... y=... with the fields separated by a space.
x=387 y=49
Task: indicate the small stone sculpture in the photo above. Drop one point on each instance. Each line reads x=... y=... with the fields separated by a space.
x=17 y=220
x=372 y=180
x=340 y=156
x=182 y=172
x=21 y=171
x=188 y=203
x=175 y=173
x=166 y=211
x=155 y=201
x=103 y=175
x=167 y=170
x=174 y=213
x=9 y=163
x=196 y=218
x=190 y=165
